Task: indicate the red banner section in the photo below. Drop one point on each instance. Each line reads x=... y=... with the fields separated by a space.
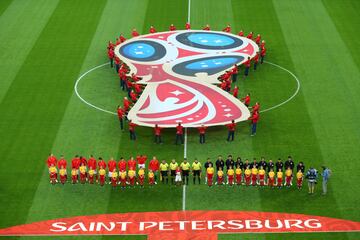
x=183 y=224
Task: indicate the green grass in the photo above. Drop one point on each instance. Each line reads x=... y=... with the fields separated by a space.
x=46 y=45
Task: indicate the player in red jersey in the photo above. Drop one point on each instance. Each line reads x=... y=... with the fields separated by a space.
x=154 y=167
x=62 y=162
x=120 y=114
x=231 y=130
x=187 y=26
x=157 y=132
x=83 y=161
x=135 y=33
x=131 y=163
x=236 y=91
x=111 y=166
x=257 y=39
x=132 y=130
x=247 y=65
x=262 y=55
x=234 y=73
x=227 y=29
x=75 y=162
x=207 y=27
x=241 y=33
x=246 y=100
x=122 y=164
x=179 y=134
x=202 y=131
x=51 y=160
x=141 y=160
x=92 y=162
x=111 y=56
x=172 y=27
x=254 y=120
x=152 y=29
x=250 y=35
x=101 y=163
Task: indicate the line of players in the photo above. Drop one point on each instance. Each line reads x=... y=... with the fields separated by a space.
x=123 y=173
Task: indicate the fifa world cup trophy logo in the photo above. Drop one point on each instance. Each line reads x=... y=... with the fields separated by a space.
x=181 y=70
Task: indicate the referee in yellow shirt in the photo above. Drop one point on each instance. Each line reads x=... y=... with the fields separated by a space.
x=185 y=169
x=196 y=169
x=164 y=168
x=173 y=166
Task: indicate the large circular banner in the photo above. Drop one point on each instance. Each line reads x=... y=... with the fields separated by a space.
x=179 y=69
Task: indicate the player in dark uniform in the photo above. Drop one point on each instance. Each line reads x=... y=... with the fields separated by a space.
x=300 y=167
x=289 y=163
x=263 y=163
x=279 y=165
x=229 y=162
x=239 y=163
x=254 y=163
x=270 y=165
x=246 y=164
x=219 y=163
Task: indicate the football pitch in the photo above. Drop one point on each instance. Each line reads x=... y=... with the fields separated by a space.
x=45 y=46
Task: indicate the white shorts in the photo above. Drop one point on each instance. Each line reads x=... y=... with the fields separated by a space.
x=178 y=178
x=141 y=166
x=110 y=174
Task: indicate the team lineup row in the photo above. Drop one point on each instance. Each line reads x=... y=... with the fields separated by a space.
x=124 y=173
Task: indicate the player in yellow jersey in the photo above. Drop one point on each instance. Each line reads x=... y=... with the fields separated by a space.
x=288 y=177
x=53 y=174
x=91 y=176
x=196 y=169
x=102 y=174
x=131 y=175
x=63 y=175
x=210 y=174
x=230 y=174
x=299 y=179
x=114 y=178
x=238 y=173
x=247 y=174
x=254 y=175
x=279 y=177
x=261 y=176
x=173 y=166
x=123 y=179
x=271 y=178
x=141 y=177
x=151 y=177
x=164 y=171
x=220 y=177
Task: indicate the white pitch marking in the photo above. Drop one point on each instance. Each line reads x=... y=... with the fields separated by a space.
x=184 y=186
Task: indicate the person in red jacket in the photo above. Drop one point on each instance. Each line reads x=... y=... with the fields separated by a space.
x=126 y=104
x=234 y=73
x=122 y=38
x=135 y=33
x=154 y=167
x=75 y=162
x=172 y=27
x=236 y=91
x=132 y=130
x=250 y=35
x=256 y=60
x=256 y=107
x=231 y=130
x=111 y=56
x=141 y=160
x=62 y=162
x=227 y=29
x=207 y=27
x=262 y=55
x=122 y=164
x=111 y=167
x=241 y=33
x=179 y=134
x=51 y=160
x=120 y=113
x=157 y=131
x=117 y=64
x=101 y=163
x=246 y=100
x=137 y=88
x=247 y=64
x=202 y=130
x=187 y=26
x=152 y=29
x=131 y=164
x=254 y=119
x=133 y=96
x=262 y=45
x=257 y=39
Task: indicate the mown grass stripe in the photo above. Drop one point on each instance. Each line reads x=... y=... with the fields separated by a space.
x=29 y=123
x=3 y=5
